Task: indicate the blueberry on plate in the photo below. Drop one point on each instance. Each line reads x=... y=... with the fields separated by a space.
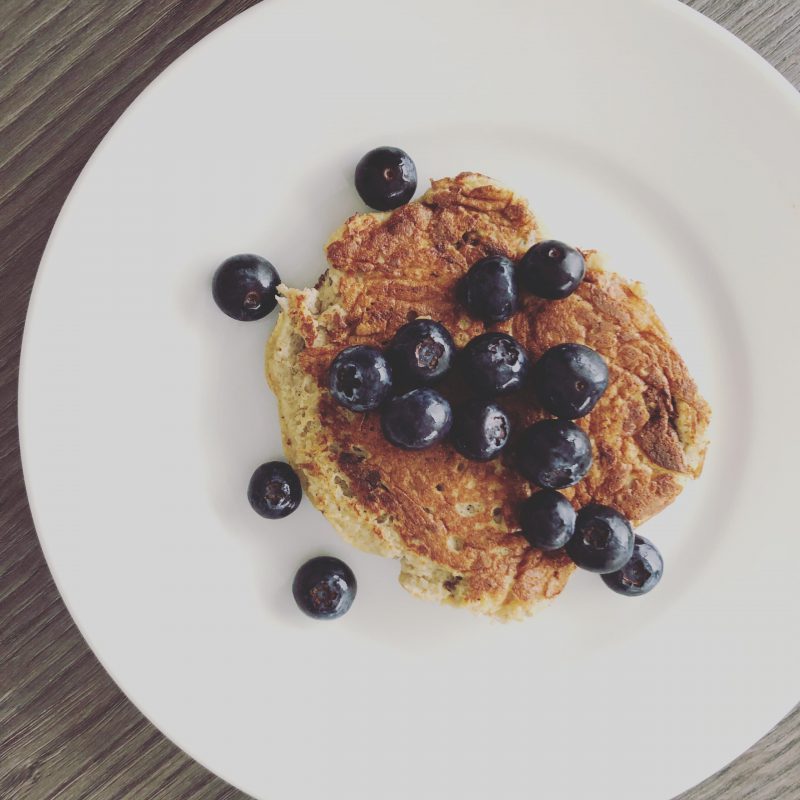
x=494 y=363
x=421 y=352
x=642 y=572
x=480 y=430
x=360 y=378
x=547 y=519
x=416 y=420
x=274 y=490
x=386 y=178
x=551 y=269
x=490 y=289
x=569 y=380
x=245 y=287
x=554 y=453
x=324 y=588
x=603 y=539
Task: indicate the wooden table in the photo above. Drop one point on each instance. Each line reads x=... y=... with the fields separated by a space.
x=68 y=68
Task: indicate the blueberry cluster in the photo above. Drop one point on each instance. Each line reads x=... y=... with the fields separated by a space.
x=553 y=454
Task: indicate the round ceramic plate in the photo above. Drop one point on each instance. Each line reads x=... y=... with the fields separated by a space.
x=633 y=126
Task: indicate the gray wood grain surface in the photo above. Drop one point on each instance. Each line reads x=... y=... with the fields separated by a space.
x=68 y=68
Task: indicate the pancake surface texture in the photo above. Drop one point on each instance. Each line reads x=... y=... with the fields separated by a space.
x=452 y=522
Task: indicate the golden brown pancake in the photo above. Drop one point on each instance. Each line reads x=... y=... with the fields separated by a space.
x=453 y=522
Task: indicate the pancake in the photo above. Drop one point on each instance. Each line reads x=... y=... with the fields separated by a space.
x=452 y=522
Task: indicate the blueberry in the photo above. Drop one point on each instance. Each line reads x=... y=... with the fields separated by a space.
x=360 y=378
x=490 y=289
x=570 y=379
x=554 y=453
x=552 y=270
x=421 y=352
x=274 y=490
x=245 y=287
x=324 y=588
x=494 y=363
x=417 y=419
x=386 y=178
x=642 y=572
x=547 y=519
x=603 y=539
x=480 y=430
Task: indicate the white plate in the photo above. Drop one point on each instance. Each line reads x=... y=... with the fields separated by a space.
x=635 y=126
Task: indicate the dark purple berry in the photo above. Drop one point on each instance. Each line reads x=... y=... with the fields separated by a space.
x=554 y=453
x=416 y=420
x=547 y=519
x=569 y=380
x=490 y=289
x=603 y=539
x=274 y=490
x=245 y=287
x=641 y=573
x=552 y=270
x=360 y=378
x=324 y=588
x=386 y=178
